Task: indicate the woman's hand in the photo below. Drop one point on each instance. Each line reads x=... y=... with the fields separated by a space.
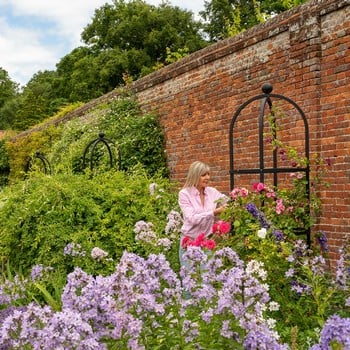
x=219 y=210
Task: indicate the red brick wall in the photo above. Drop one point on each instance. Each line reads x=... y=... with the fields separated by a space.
x=304 y=53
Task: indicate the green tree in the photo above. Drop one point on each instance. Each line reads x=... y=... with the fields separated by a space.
x=224 y=18
x=138 y=35
x=71 y=75
x=125 y=38
x=8 y=93
x=37 y=101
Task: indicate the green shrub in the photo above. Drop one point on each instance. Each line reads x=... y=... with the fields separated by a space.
x=4 y=165
x=133 y=137
x=45 y=213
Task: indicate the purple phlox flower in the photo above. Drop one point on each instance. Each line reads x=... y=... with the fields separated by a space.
x=207 y=315
x=67 y=329
x=290 y=272
x=12 y=290
x=4 y=314
x=300 y=288
x=227 y=255
x=262 y=339
x=38 y=271
x=347 y=302
x=335 y=329
x=144 y=232
x=318 y=265
x=226 y=331
x=343 y=270
x=195 y=256
x=74 y=249
x=174 y=223
x=239 y=294
x=300 y=249
x=22 y=328
x=152 y=188
x=190 y=330
x=116 y=305
x=278 y=235
x=257 y=214
x=204 y=292
x=91 y=298
x=164 y=242
x=142 y=281
x=98 y=254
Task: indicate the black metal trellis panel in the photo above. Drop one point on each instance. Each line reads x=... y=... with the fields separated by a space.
x=42 y=158
x=266 y=99
x=101 y=139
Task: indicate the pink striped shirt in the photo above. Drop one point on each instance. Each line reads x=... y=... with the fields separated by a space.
x=198 y=218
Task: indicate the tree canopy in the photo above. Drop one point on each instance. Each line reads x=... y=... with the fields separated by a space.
x=8 y=92
x=224 y=18
x=124 y=41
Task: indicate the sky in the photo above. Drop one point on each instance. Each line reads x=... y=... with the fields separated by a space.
x=36 y=34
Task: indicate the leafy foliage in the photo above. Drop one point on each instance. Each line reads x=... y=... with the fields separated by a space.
x=4 y=164
x=8 y=93
x=126 y=38
x=90 y=211
x=133 y=137
x=224 y=18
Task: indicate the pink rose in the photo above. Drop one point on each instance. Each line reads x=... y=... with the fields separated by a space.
x=259 y=186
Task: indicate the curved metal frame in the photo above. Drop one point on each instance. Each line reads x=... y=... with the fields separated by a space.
x=266 y=99
x=44 y=160
x=94 y=143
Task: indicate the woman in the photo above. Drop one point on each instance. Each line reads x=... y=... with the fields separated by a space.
x=199 y=203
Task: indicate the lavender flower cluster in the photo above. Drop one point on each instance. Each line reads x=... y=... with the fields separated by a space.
x=335 y=331
x=143 y=297
x=144 y=232
x=74 y=249
x=174 y=223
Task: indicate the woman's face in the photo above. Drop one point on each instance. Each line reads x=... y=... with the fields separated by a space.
x=203 y=180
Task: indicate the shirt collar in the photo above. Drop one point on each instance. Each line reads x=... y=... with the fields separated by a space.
x=195 y=191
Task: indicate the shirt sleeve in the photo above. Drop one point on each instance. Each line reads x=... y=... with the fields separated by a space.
x=190 y=213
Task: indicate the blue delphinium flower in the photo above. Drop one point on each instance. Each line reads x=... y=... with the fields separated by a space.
x=257 y=214
x=323 y=241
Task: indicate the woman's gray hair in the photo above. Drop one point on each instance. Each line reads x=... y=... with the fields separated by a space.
x=196 y=170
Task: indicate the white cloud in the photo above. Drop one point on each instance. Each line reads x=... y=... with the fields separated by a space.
x=22 y=53
x=36 y=34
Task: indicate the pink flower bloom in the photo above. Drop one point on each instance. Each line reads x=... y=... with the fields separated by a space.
x=280 y=208
x=259 y=186
x=185 y=241
x=200 y=241
x=200 y=238
x=270 y=194
x=209 y=244
x=221 y=227
x=239 y=192
x=244 y=192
